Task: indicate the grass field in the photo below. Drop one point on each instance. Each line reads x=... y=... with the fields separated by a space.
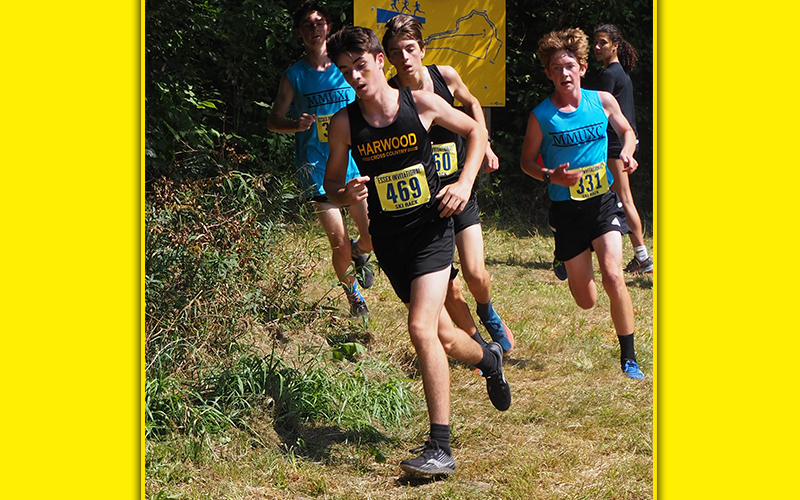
x=577 y=428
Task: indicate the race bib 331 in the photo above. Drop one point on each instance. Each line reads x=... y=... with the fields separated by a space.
x=594 y=182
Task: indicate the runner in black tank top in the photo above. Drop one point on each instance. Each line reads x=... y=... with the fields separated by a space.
x=619 y=57
x=448 y=147
x=398 y=159
x=404 y=43
x=410 y=238
x=411 y=232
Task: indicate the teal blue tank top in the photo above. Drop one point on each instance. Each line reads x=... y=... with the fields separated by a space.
x=578 y=137
x=322 y=93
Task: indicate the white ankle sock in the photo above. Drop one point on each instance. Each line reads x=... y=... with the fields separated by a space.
x=641 y=253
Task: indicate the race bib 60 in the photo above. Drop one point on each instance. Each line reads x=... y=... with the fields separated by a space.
x=446 y=159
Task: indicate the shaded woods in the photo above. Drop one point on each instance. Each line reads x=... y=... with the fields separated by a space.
x=212 y=70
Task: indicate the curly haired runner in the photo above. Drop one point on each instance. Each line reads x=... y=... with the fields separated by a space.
x=569 y=128
x=410 y=224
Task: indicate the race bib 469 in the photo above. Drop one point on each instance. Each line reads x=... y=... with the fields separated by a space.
x=403 y=189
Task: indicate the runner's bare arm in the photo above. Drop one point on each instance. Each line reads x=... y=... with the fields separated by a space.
x=530 y=150
x=435 y=110
x=339 y=192
x=623 y=130
x=472 y=107
x=277 y=121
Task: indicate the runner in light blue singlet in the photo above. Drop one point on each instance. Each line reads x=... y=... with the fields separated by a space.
x=320 y=93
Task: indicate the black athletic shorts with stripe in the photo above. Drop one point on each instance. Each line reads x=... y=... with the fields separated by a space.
x=470 y=216
x=576 y=223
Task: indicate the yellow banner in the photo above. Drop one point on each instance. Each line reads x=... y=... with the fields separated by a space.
x=468 y=35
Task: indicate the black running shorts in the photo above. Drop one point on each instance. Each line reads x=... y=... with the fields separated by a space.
x=406 y=256
x=320 y=198
x=470 y=216
x=576 y=224
x=615 y=146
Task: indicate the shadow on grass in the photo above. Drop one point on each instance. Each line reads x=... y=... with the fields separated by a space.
x=645 y=282
x=508 y=360
x=512 y=261
x=315 y=442
x=307 y=422
x=523 y=364
x=417 y=481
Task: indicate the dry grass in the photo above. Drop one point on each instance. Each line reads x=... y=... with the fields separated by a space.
x=577 y=428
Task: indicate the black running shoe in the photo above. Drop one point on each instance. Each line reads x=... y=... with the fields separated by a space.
x=560 y=269
x=432 y=462
x=496 y=383
x=364 y=273
x=358 y=308
x=637 y=266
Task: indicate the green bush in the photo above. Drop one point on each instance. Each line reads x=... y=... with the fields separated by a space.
x=211 y=69
x=215 y=266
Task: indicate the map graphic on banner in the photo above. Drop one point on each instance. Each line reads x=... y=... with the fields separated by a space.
x=467 y=35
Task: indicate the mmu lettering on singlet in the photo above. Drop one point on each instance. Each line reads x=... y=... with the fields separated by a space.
x=582 y=135
x=579 y=138
x=317 y=101
x=320 y=93
x=403 y=181
x=327 y=97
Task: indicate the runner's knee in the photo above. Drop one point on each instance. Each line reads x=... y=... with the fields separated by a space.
x=613 y=282
x=584 y=302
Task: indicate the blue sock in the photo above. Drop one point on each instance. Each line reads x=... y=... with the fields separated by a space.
x=352 y=292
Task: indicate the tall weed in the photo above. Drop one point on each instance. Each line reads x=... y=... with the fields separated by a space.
x=218 y=284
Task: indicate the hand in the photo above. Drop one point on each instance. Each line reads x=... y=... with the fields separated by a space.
x=454 y=198
x=564 y=177
x=492 y=163
x=305 y=122
x=630 y=163
x=356 y=189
